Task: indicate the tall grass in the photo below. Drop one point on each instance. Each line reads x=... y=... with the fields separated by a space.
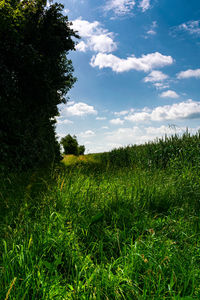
x=158 y=154
x=112 y=227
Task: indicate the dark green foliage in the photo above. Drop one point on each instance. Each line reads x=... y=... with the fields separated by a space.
x=81 y=150
x=35 y=75
x=70 y=144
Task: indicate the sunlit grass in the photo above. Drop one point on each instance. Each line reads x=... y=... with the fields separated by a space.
x=69 y=160
x=91 y=230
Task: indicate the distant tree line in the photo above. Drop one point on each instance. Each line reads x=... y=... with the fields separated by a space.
x=35 y=76
x=71 y=146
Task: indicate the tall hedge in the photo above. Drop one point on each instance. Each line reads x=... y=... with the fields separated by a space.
x=35 y=76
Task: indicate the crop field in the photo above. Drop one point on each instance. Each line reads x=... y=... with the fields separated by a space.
x=117 y=225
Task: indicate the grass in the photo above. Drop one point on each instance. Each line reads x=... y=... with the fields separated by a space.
x=70 y=160
x=105 y=226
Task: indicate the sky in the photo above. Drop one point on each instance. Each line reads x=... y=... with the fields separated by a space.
x=138 y=71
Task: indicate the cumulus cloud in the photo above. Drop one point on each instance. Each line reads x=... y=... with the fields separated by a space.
x=155 y=76
x=120 y=7
x=184 y=110
x=87 y=134
x=144 y=63
x=189 y=74
x=78 y=109
x=144 y=5
x=117 y=121
x=85 y=28
x=95 y=37
x=169 y=94
x=139 y=117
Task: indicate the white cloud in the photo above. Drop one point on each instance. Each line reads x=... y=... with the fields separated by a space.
x=151 y=32
x=158 y=131
x=184 y=110
x=70 y=102
x=144 y=5
x=95 y=37
x=189 y=73
x=60 y=135
x=78 y=109
x=169 y=94
x=100 y=118
x=123 y=135
x=139 y=117
x=102 y=43
x=87 y=134
x=85 y=28
x=122 y=113
x=155 y=76
x=82 y=46
x=123 y=7
x=65 y=121
x=161 y=85
x=193 y=27
x=120 y=7
x=117 y=121
x=144 y=63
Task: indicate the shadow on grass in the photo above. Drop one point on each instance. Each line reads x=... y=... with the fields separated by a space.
x=20 y=195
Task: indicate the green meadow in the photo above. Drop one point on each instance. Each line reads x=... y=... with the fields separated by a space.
x=118 y=225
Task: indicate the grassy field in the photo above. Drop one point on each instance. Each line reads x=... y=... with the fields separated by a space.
x=117 y=225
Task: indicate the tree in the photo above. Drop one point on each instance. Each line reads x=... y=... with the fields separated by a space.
x=81 y=149
x=70 y=144
x=35 y=76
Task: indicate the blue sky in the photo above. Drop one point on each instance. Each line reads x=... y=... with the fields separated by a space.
x=138 y=70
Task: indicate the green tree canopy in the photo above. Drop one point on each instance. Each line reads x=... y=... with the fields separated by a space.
x=70 y=144
x=81 y=149
x=35 y=76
